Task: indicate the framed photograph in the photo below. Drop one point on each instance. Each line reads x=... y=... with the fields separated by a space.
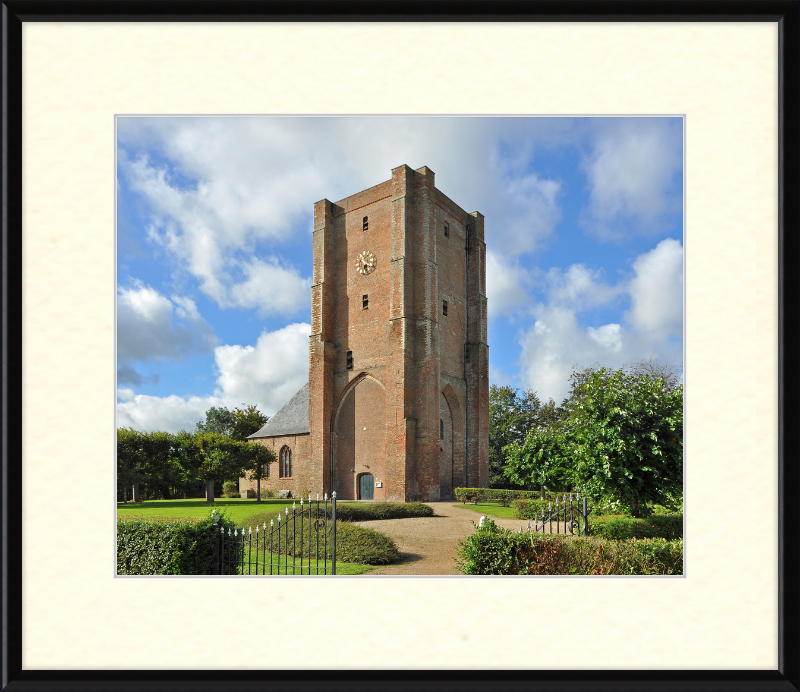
x=726 y=72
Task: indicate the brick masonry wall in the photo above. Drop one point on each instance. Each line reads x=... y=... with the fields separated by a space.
x=304 y=476
x=409 y=371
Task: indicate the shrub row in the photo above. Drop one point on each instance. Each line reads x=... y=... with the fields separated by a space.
x=166 y=546
x=353 y=543
x=382 y=510
x=532 y=509
x=505 y=497
x=623 y=527
x=493 y=550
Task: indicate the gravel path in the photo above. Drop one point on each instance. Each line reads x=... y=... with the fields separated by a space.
x=428 y=544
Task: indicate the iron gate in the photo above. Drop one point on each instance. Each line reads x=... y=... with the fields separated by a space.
x=302 y=541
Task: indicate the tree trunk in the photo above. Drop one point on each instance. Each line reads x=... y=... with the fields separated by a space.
x=258 y=490
x=541 y=492
x=635 y=507
x=136 y=496
x=210 y=491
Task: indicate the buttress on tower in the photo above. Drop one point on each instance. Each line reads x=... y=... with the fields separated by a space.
x=398 y=393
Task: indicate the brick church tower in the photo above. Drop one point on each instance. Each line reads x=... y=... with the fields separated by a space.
x=398 y=375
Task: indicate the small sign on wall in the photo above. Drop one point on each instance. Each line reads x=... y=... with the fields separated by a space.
x=378 y=484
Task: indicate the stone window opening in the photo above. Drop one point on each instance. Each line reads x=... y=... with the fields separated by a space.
x=285 y=463
x=349 y=360
x=446 y=231
x=366 y=223
x=441 y=429
x=444 y=308
x=364 y=302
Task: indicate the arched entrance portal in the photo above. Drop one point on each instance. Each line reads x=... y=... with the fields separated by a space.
x=360 y=438
x=452 y=443
x=446 y=447
x=366 y=486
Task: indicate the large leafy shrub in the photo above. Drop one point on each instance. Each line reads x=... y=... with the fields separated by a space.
x=493 y=550
x=164 y=546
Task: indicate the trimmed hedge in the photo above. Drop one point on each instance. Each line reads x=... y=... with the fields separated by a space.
x=532 y=509
x=624 y=527
x=353 y=543
x=382 y=510
x=493 y=550
x=165 y=546
x=501 y=495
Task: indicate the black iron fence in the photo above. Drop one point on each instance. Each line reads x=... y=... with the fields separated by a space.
x=302 y=541
x=569 y=515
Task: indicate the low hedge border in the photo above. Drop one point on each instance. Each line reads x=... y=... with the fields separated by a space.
x=353 y=543
x=382 y=510
x=493 y=550
x=501 y=495
x=166 y=546
x=623 y=527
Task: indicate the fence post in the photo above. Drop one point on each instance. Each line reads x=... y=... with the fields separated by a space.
x=585 y=518
x=215 y=568
x=333 y=532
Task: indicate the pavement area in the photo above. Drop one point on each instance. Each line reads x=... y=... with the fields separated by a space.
x=428 y=544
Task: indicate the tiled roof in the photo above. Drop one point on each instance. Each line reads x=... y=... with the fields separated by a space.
x=292 y=419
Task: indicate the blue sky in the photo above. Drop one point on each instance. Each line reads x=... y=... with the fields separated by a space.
x=584 y=235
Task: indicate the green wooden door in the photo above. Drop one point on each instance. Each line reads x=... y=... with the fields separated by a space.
x=366 y=486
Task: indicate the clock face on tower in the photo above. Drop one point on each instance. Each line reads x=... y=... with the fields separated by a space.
x=365 y=263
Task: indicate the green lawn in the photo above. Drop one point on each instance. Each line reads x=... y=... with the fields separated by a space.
x=238 y=510
x=492 y=509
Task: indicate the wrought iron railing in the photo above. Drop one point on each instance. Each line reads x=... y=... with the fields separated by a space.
x=302 y=541
x=572 y=514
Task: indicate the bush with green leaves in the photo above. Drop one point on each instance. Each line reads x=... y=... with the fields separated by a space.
x=163 y=546
x=493 y=550
x=230 y=489
x=621 y=527
x=382 y=510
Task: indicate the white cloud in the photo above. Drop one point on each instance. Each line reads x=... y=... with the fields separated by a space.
x=267 y=375
x=657 y=291
x=218 y=189
x=580 y=287
x=271 y=288
x=170 y=413
x=270 y=372
x=557 y=342
x=507 y=285
x=608 y=337
x=152 y=327
x=632 y=171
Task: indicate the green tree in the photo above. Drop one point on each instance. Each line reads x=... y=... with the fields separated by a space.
x=130 y=462
x=218 y=420
x=511 y=415
x=218 y=458
x=543 y=461
x=247 y=420
x=627 y=437
x=256 y=459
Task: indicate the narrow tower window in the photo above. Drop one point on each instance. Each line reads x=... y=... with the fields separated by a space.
x=349 y=360
x=441 y=429
x=446 y=231
x=365 y=301
x=444 y=308
x=366 y=223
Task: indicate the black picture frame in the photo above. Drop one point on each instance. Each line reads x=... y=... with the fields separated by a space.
x=14 y=12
